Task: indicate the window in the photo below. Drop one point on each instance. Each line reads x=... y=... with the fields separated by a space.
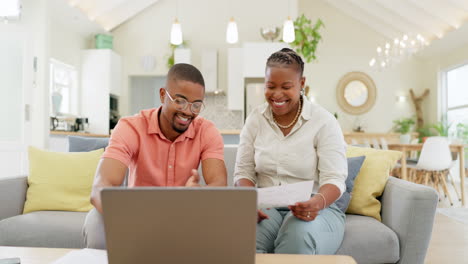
x=63 y=88
x=455 y=99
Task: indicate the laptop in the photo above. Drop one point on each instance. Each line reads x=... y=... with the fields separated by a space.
x=180 y=225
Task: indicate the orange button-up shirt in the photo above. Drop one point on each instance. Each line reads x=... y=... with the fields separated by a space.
x=152 y=159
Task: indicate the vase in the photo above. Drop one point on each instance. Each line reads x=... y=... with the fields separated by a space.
x=405 y=138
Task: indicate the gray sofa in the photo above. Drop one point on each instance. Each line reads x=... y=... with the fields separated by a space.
x=403 y=236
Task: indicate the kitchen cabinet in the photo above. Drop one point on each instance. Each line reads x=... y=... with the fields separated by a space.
x=182 y=55
x=209 y=69
x=235 y=78
x=100 y=77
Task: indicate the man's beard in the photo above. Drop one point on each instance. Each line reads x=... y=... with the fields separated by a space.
x=179 y=130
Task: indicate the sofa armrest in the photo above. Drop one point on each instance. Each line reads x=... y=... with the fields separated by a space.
x=409 y=210
x=12 y=195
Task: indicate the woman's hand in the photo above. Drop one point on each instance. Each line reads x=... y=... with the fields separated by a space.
x=308 y=210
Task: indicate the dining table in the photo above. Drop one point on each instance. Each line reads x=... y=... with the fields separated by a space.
x=458 y=148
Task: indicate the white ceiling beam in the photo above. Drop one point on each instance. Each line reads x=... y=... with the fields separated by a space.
x=439 y=11
x=390 y=18
x=463 y=4
x=122 y=13
x=385 y=30
x=413 y=15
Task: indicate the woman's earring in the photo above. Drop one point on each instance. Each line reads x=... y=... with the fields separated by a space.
x=302 y=92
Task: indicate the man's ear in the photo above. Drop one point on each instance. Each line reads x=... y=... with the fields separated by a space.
x=162 y=93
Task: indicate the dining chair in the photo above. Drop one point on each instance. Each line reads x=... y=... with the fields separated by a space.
x=384 y=143
x=434 y=164
x=375 y=143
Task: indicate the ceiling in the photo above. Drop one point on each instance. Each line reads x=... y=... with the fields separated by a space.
x=443 y=23
x=110 y=13
x=430 y=18
x=433 y=19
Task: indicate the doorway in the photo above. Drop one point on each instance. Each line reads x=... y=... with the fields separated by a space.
x=144 y=92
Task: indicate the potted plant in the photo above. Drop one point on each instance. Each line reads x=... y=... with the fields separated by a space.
x=442 y=128
x=403 y=126
x=307 y=37
x=425 y=132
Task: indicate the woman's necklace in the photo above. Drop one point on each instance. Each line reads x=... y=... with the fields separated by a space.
x=295 y=118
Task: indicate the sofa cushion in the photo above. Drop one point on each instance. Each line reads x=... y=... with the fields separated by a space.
x=60 y=181
x=85 y=144
x=369 y=241
x=371 y=180
x=43 y=229
x=354 y=166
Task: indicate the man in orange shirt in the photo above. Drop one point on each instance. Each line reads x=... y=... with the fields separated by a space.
x=160 y=147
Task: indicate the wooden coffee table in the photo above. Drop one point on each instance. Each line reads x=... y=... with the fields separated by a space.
x=30 y=255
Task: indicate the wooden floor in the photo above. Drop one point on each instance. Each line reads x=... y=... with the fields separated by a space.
x=449 y=242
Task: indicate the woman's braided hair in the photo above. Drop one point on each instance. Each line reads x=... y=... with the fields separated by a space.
x=288 y=57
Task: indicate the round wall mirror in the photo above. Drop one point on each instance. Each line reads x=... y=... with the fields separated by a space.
x=356 y=93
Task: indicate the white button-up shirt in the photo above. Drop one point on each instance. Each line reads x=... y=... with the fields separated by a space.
x=313 y=150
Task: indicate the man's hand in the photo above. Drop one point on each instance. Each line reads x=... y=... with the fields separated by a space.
x=261 y=216
x=308 y=210
x=194 y=180
x=110 y=172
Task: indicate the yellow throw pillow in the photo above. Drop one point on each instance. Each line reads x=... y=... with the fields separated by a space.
x=60 y=181
x=371 y=180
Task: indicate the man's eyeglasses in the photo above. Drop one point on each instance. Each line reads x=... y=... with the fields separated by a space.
x=181 y=104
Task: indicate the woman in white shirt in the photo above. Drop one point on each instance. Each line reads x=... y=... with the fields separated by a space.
x=287 y=140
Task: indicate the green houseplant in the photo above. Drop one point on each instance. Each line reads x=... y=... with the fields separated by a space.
x=403 y=126
x=442 y=128
x=425 y=132
x=307 y=37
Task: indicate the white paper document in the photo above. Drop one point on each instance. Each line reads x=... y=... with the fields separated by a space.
x=87 y=255
x=284 y=195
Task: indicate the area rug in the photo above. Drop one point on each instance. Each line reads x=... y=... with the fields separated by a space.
x=458 y=214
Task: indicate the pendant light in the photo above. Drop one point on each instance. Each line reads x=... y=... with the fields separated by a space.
x=288 y=31
x=176 y=30
x=232 y=35
x=288 y=28
x=176 y=33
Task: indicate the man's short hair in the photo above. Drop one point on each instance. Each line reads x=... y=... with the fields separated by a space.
x=185 y=72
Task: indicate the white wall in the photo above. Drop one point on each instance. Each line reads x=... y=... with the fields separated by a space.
x=66 y=44
x=348 y=45
x=204 y=25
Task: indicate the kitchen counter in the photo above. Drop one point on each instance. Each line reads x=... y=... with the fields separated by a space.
x=69 y=133
x=229 y=131
x=81 y=134
x=58 y=140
